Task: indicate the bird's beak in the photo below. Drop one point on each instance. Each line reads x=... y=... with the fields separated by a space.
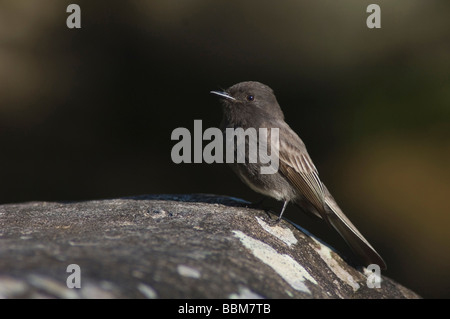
x=224 y=95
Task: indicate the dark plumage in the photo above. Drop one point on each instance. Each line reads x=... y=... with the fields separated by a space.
x=253 y=104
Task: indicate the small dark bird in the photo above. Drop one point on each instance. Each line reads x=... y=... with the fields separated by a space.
x=253 y=105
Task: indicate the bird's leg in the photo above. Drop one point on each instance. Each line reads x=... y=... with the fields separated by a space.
x=282 y=210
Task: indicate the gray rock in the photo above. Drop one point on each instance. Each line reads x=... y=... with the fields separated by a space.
x=170 y=246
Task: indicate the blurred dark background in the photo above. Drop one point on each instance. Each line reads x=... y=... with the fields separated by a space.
x=88 y=113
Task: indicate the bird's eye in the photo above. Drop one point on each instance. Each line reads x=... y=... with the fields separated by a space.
x=250 y=97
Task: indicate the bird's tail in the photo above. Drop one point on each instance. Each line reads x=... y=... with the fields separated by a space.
x=360 y=246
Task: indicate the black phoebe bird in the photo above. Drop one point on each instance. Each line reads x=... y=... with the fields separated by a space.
x=253 y=105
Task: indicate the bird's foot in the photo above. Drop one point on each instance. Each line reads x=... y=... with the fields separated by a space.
x=272 y=222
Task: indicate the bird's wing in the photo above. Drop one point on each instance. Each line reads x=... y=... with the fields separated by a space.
x=298 y=168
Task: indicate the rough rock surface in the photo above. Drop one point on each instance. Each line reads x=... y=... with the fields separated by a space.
x=170 y=246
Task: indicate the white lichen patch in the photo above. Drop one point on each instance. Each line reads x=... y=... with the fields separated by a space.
x=52 y=287
x=10 y=287
x=187 y=271
x=289 y=293
x=159 y=213
x=102 y=290
x=283 y=234
x=284 y=265
x=245 y=293
x=147 y=291
x=325 y=253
